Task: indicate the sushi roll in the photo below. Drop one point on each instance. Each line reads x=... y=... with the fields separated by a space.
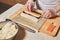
x=33 y=13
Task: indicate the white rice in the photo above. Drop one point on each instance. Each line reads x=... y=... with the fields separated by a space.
x=8 y=31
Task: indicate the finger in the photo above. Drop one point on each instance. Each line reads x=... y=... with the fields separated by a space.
x=46 y=15
x=26 y=8
x=50 y=16
x=43 y=13
x=30 y=7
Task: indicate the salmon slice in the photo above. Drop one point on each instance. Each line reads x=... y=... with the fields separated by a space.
x=34 y=14
x=51 y=27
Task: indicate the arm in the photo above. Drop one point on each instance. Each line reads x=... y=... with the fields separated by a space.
x=57 y=10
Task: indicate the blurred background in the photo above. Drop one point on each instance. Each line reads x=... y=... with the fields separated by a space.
x=6 y=4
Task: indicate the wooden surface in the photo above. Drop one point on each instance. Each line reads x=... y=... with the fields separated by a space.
x=20 y=35
x=46 y=25
x=13 y=2
x=4 y=7
x=10 y=2
x=23 y=21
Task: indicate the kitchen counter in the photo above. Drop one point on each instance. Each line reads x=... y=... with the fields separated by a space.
x=24 y=34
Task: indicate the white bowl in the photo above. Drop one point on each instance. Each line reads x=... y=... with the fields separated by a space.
x=10 y=31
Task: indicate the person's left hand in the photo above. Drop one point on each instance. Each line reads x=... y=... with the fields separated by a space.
x=48 y=14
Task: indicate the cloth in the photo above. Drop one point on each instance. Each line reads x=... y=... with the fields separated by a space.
x=48 y=4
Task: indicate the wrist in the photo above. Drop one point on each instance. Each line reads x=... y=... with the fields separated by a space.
x=55 y=12
x=57 y=8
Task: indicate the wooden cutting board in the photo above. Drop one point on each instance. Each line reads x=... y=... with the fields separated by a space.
x=48 y=26
x=51 y=26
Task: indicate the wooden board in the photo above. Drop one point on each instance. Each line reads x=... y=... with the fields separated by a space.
x=56 y=23
x=40 y=26
x=26 y=22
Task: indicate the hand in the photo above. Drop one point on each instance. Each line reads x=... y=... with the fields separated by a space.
x=29 y=5
x=48 y=14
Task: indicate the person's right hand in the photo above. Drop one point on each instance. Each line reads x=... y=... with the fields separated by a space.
x=29 y=5
x=48 y=13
